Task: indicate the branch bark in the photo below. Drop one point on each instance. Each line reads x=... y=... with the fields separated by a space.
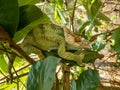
x=5 y=38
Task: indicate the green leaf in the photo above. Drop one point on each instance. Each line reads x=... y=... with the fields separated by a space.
x=27 y=2
x=103 y=17
x=90 y=56
x=99 y=43
x=116 y=35
x=97 y=46
x=10 y=86
x=117 y=65
x=88 y=80
x=3 y=64
x=116 y=47
x=95 y=22
x=42 y=74
x=88 y=33
x=93 y=11
x=62 y=17
x=28 y=14
x=3 y=86
x=79 y=21
x=23 y=32
x=73 y=85
x=86 y=4
x=95 y=29
x=118 y=57
x=9 y=15
x=116 y=39
x=59 y=16
x=59 y=3
x=30 y=17
x=82 y=28
x=95 y=7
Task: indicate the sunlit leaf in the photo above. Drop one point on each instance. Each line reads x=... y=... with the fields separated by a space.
x=27 y=2
x=23 y=32
x=61 y=16
x=88 y=34
x=10 y=86
x=57 y=15
x=59 y=3
x=3 y=64
x=3 y=86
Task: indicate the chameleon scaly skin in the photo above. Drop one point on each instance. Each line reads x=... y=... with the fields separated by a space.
x=48 y=37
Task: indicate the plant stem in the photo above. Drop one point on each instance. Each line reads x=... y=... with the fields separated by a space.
x=66 y=75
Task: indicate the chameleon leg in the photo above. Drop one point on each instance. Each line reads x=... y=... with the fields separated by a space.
x=70 y=56
x=29 y=49
x=39 y=53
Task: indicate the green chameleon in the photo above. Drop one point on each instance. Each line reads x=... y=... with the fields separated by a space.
x=47 y=37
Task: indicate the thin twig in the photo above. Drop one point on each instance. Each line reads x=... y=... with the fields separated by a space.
x=18 y=77
x=108 y=34
x=8 y=52
x=66 y=4
x=109 y=2
x=66 y=76
x=15 y=77
x=107 y=59
x=16 y=71
x=3 y=74
x=5 y=37
x=72 y=18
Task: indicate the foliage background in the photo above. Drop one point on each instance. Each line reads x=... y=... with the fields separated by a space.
x=94 y=20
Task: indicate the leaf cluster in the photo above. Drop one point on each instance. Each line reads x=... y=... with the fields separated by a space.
x=19 y=17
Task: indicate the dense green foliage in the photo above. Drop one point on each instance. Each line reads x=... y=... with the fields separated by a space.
x=42 y=74
x=9 y=15
x=18 y=18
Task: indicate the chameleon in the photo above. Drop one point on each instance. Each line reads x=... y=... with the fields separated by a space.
x=47 y=37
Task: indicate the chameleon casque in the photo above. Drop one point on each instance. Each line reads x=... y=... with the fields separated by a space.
x=47 y=37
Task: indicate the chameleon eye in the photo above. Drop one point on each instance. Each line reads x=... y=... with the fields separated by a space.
x=77 y=39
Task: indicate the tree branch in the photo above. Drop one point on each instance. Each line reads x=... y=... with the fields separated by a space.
x=5 y=77
x=5 y=38
x=72 y=18
x=15 y=77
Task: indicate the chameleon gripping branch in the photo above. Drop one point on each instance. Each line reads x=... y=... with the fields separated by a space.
x=5 y=38
x=48 y=37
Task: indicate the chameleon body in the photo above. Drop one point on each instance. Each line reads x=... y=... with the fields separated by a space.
x=46 y=37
